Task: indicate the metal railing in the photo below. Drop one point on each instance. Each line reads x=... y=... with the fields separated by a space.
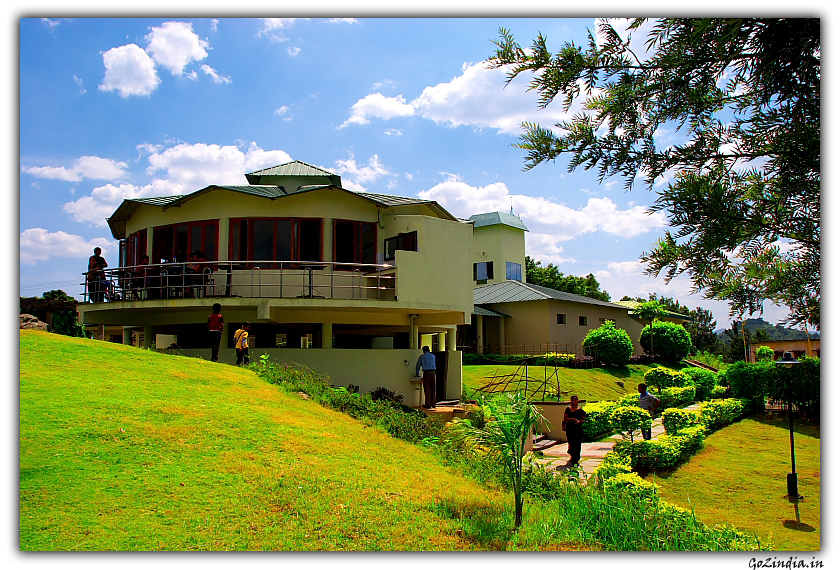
x=261 y=279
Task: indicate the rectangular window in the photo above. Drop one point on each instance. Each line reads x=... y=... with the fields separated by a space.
x=275 y=239
x=354 y=242
x=177 y=242
x=483 y=271
x=561 y=319
x=280 y=340
x=135 y=248
x=513 y=271
x=404 y=242
x=583 y=321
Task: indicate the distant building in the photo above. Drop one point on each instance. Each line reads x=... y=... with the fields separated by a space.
x=799 y=348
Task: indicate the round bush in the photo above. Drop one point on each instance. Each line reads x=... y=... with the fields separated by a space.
x=665 y=378
x=610 y=344
x=704 y=381
x=628 y=419
x=671 y=341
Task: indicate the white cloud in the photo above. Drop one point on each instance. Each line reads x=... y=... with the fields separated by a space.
x=214 y=25
x=272 y=27
x=215 y=76
x=293 y=51
x=357 y=175
x=393 y=132
x=542 y=215
x=174 y=46
x=377 y=105
x=478 y=97
x=282 y=110
x=81 y=85
x=38 y=244
x=51 y=24
x=129 y=70
x=86 y=167
x=384 y=83
x=342 y=21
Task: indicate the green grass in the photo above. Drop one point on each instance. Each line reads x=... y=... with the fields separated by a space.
x=126 y=449
x=592 y=384
x=740 y=478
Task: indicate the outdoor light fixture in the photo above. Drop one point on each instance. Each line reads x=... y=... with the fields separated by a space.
x=788 y=361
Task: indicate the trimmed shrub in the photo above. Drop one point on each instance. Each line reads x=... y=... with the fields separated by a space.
x=719 y=392
x=676 y=397
x=662 y=377
x=664 y=452
x=703 y=380
x=751 y=381
x=675 y=419
x=609 y=344
x=612 y=465
x=718 y=413
x=671 y=341
x=764 y=354
x=598 y=419
x=627 y=419
x=633 y=485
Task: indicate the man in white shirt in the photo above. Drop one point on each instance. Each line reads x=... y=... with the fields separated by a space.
x=427 y=363
x=647 y=402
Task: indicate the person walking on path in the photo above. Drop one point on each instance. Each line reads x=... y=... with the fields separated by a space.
x=647 y=402
x=427 y=363
x=216 y=326
x=240 y=339
x=573 y=418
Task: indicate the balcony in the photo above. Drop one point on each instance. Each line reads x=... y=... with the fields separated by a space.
x=252 y=279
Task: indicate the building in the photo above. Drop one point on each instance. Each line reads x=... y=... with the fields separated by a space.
x=351 y=284
x=798 y=348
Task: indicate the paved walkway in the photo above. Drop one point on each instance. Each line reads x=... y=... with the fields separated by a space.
x=592 y=454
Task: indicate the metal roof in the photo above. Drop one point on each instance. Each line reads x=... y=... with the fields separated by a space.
x=496 y=218
x=487 y=312
x=294 y=168
x=514 y=291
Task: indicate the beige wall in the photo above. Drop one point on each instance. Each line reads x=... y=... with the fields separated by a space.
x=368 y=369
x=498 y=243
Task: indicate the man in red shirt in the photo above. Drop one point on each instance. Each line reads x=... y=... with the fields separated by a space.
x=216 y=326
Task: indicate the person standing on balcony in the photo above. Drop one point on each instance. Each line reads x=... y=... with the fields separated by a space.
x=240 y=339
x=96 y=276
x=427 y=363
x=216 y=326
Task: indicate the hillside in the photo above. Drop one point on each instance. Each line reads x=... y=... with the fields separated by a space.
x=127 y=449
x=773 y=332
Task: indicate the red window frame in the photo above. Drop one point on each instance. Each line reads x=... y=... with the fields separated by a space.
x=172 y=251
x=135 y=247
x=244 y=252
x=357 y=248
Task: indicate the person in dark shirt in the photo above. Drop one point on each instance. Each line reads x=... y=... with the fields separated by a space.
x=96 y=276
x=216 y=326
x=573 y=419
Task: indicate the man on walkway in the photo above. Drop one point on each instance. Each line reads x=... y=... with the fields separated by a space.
x=427 y=363
x=647 y=402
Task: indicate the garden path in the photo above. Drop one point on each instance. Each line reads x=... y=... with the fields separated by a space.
x=592 y=453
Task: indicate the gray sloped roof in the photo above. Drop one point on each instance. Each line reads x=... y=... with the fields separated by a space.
x=294 y=168
x=513 y=291
x=496 y=218
x=484 y=312
x=632 y=305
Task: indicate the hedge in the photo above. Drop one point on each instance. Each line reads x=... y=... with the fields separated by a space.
x=676 y=397
x=664 y=378
x=664 y=452
x=703 y=380
x=675 y=419
x=598 y=419
x=719 y=413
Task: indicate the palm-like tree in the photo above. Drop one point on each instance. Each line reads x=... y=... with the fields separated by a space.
x=650 y=311
x=511 y=419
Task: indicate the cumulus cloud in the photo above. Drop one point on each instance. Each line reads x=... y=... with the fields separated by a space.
x=174 y=45
x=86 y=167
x=542 y=216
x=214 y=76
x=293 y=51
x=178 y=169
x=393 y=132
x=354 y=176
x=38 y=244
x=130 y=71
x=478 y=97
x=273 y=28
x=342 y=21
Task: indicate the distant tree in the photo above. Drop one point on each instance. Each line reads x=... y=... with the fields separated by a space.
x=736 y=338
x=551 y=277
x=649 y=311
x=742 y=96
x=702 y=331
x=764 y=354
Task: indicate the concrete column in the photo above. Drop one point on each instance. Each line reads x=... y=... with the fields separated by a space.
x=412 y=332
x=441 y=341
x=501 y=335
x=452 y=339
x=148 y=336
x=127 y=335
x=479 y=334
x=326 y=335
x=101 y=332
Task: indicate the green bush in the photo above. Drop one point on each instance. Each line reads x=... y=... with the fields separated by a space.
x=612 y=465
x=764 y=354
x=703 y=380
x=662 y=377
x=676 y=397
x=664 y=452
x=671 y=341
x=609 y=344
x=675 y=419
x=718 y=392
x=598 y=419
x=804 y=381
x=716 y=414
x=628 y=419
x=752 y=382
x=633 y=485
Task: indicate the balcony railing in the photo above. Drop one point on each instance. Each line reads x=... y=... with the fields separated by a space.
x=262 y=279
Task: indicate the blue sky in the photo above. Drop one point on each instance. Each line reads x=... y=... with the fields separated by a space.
x=121 y=108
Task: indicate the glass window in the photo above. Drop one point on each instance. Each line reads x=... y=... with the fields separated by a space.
x=561 y=319
x=275 y=239
x=483 y=271
x=583 y=321
x=354 y=242
x=404 y=242
x=513 y=271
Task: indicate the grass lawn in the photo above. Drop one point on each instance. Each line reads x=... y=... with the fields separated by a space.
x=592 y=384
x=126 y=449
x=740 y=478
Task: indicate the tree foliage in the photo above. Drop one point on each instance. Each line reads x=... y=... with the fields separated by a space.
x=673 y=342
x=743 y=99
x=611 y=345
x=701 y=329
x=551 y=277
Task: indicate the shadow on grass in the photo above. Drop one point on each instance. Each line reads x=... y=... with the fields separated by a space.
x=780 y=420
x=488 y=526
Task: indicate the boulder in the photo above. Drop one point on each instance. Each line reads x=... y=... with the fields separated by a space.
x=32 y=322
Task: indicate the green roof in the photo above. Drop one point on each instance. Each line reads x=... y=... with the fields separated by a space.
x=294 y=168
x=496 y=218
x=514 y=291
